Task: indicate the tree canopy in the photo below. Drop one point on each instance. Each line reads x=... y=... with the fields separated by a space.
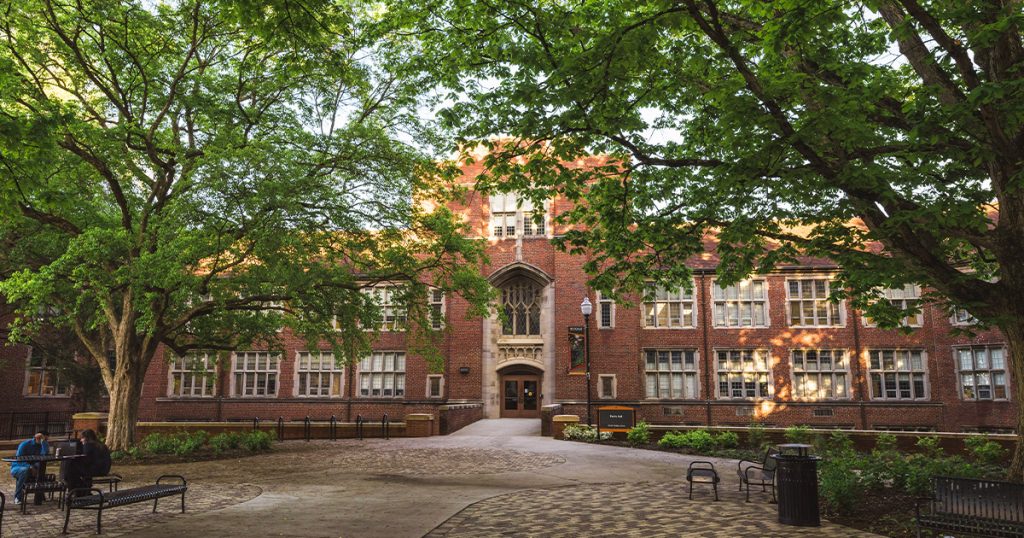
x=799 y=127
x=197 y=174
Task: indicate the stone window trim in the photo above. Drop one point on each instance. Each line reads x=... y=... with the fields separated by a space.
x=45 y=376
x=601 y=392
x=994 y=370
x=759 y=378
x=381 y=374
x=393 y=316
x=721 y=296
x=663 y=380
x=605 y=312
x=886 y=374
x=836 y=312
x=838 y=373
x=431 y=393
x=193 y=374
x=318 y=365
x=258 y=366
x=511 y=217
x=903 y=296
x=657 y=313
x=522 y=301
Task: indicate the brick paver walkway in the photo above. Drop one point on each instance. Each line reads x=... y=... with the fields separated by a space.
x=639 y=510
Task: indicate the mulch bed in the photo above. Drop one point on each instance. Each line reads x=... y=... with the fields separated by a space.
x=881 y=512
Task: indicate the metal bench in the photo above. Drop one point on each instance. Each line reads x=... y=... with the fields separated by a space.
x=99 y=501
x=3 y=506
x=967 y=506
x=112 y=481
x=702 y=472
x=48 y=484
x=760 y=473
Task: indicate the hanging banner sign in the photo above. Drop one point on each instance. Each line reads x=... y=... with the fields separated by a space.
x=577 y=347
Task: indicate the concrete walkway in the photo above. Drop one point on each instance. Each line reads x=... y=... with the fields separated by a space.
x=495 y=477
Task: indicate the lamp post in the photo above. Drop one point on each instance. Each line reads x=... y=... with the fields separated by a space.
x=587 y=308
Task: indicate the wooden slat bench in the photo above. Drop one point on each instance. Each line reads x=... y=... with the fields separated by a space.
x=967 y=506
x=79 y=498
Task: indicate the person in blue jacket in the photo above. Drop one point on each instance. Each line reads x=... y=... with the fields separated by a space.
x=22 y=470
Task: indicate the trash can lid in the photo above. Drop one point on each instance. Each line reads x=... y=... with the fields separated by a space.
x=797 y=449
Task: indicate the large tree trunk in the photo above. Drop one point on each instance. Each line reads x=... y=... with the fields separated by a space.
x=124 y=409
x=1015 y=343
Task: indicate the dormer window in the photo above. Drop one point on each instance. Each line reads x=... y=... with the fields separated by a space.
x=513 y=216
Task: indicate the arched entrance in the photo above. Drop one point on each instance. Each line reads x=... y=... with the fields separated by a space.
x=521 y=395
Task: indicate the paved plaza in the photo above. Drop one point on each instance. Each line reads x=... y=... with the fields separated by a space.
x=493 y=478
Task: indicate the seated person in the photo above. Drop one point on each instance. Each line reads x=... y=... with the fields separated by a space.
x=21 y=471
x=95 y=461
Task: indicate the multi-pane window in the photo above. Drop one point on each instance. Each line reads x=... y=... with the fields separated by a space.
x=982 y=372
x=436 y=306
x=908 y=296
x=382 y=374
x=317 y=374
x=668 y=308
x=521 y=302
x=193 y=375
x=435 y=386
x=962 y=317
x=605 y=312
x=898 y=374
x=671 y=374
x=256 y=373
x=744 y=304
x=809 y=305
x=42 y=377
x=743 y=373
x=393 y=313
x=820 y=374
x=512 y=216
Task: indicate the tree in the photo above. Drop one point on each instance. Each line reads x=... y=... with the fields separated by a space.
x=194 y=175
x=885 y=135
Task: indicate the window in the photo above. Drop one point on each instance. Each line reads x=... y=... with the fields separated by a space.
x=436 y=305
x=605 y=312
x=903 y=298
x=256 y=373
x=606 y=385
x=809 y=305
x=671 y=374
x=982 y=372
x=820 y=374
x=317 y=374
x=512 y=216
x=193 y=375
x=393 y=314
x=743 y=373
x=435 y=386
x=962 y=317
x=521 y=301
x=43 y=378
x=898 y=374
x=665 y=308
x=382 y=374
x=744 y=304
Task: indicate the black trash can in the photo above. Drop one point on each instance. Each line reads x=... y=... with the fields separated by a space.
x=796 y=480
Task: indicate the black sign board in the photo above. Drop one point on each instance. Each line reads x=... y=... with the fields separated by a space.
x=615 y=418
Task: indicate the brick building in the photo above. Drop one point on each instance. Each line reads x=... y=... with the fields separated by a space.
x=769 y=349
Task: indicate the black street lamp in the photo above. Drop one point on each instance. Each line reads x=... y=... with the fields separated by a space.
x=587 y=308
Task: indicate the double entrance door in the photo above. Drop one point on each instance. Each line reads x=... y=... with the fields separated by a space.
x=520 y=396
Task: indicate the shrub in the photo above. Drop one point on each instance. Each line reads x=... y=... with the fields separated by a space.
x=984 y=450
x=838 y=445
x=639 y=434
x=727 y=440
x=756 y=436
x=839 y=485
x=929 y=446
x=799 y=434
x=186 y=443
x=223 y=442
x=579 y=432
x=885 y=442
x=256 y=441
x=698 y=440
x=158 y=443
x=671 y=440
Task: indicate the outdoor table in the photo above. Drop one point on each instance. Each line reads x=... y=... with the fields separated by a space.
x=41 y=459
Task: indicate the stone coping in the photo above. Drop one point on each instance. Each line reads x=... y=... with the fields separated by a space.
x=565 y=418
x=418 y=417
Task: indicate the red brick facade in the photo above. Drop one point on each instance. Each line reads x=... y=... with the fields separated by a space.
x=472 y=373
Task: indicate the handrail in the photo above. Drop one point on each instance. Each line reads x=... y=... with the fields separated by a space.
x=359 y=427
x=280 y=429
x=385 y=427
x=255 y=423
x=334 y=428
x=306 y=428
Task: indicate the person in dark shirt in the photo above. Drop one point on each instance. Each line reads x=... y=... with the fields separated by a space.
x=95 y=461
x=21 y=471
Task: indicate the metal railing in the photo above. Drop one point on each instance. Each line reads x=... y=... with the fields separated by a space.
x=23 y=424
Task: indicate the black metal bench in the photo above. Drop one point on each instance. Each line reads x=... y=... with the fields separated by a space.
x=48 y=484
x=99 y=501
x=112 y=481
x=967 y=506
x=758 y=473
x=3 y=506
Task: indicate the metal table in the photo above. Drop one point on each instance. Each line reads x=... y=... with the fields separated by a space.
x=42 y=460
